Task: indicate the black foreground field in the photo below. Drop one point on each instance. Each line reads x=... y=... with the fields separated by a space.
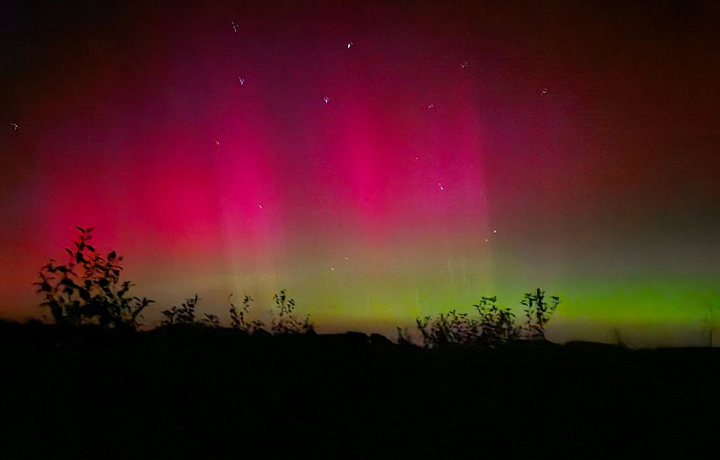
x=187 y=392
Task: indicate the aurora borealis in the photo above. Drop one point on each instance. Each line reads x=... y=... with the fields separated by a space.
x=465 y=149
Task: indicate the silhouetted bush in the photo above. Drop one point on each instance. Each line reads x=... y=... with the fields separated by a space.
x=184 y=314
x=87 y=289
x=286 y=322
x=240 y=319
x=495 y=326
x=538 y=312
x=450 y=328
x=211 y=320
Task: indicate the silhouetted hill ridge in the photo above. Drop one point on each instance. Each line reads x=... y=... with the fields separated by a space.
x=190 y=391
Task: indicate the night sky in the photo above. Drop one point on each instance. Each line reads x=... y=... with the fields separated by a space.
x=464 y=149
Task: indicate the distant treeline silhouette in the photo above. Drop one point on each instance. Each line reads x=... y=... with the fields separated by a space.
x=87 y=290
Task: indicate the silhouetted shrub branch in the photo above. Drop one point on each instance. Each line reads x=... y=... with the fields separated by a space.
x=497 y=325
x=285 y=321
x=494 y=326
x=184 y=314
x=87 y=289
x=538 y=312
x=240 y=319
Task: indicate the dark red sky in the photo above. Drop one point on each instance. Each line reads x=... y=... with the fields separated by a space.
x=586 y=133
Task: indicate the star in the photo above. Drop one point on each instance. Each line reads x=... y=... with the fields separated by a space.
x=349 y=45
x=544 y=91
x=15 y=126
x=217 y=142
x=234 y=26
x=431 y=106
x=326 y=99
x=464 y=64
x=241 y=80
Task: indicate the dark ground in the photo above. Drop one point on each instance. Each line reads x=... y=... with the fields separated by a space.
x=196 y=393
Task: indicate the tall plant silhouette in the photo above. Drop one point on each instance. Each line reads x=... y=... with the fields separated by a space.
x=538 y=312
x=285 y=321
x=211 y=320
x=450 y=328
x=495 y=326
x=184 y=314
x=87 y=289
x=240 y=318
